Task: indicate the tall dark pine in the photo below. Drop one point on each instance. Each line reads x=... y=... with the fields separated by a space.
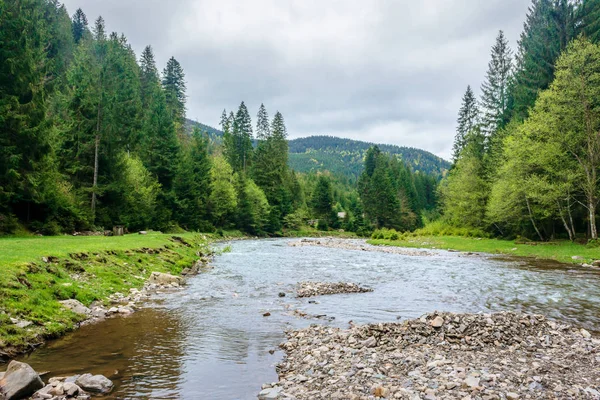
x=468 y=115
x=79 y=25
x=149 y=78
x=173 y=82
x=549 y=27
x=242 y=131
x=494 y=99
x=263 y=130
x=589 y=17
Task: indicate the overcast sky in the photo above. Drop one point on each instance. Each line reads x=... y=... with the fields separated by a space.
x=375 y=70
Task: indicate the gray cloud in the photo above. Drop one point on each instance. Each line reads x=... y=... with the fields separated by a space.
x=382 y=70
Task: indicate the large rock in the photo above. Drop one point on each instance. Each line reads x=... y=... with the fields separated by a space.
x=76 y=307
x=162 y=279
x=270 y=393
x=94 y=383
x=19 y=381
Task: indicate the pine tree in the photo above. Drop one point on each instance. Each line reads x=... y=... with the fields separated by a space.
x=322 y=201
x=238 y=144
x=224 y=123
x=24 y=140
x=589 y=16
x=547 y=31
x=494 y=100
x=149 y=78
x=467 y=119
x=79 y=25
x=192 y=184
x=263 y=130
x=173 y=82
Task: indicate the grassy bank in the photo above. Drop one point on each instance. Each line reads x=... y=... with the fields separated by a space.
x=563 y=251
x=36 y=273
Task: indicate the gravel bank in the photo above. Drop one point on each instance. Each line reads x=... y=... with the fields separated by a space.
x=441 y=356
x=361 y=245
x=310 y=289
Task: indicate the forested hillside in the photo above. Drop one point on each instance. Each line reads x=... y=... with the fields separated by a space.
x=346 y=156
x=342 y=157
x=527 y=152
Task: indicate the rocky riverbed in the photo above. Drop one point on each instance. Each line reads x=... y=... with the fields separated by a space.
x=345 y=244
x=310 y=289
x=441 y=356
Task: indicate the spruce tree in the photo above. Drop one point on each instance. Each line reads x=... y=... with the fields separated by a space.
x=495 y=99
x=192 y=184
x=242 y=134
x=549 y=27
x=149 y=78
x=468 y=115
x=79 y=25
x=589 y=17
x=173 y=82
x=263 y=130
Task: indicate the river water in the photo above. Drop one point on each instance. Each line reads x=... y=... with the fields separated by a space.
x=211 y=340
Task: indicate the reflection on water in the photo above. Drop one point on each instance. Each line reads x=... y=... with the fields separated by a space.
x=212 y=341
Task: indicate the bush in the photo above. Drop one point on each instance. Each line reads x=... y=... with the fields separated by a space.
x=8 y=224
x=443 y=228
x=387 y=234
x=323 y=225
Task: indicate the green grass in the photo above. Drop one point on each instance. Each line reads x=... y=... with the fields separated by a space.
x=84 y=268
x=562 y=251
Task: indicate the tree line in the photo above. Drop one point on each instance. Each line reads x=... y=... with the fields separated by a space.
x=93 y=137
x=527 y=152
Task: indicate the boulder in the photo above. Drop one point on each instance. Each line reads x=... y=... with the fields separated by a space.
x=94 y=383
x=596 y=263
x=162 y=279
x=76 y=307
x=19 y=381
x=269 y=393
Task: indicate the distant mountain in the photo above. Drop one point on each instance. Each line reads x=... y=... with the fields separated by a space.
x=342 y=156
x=346 y=156
x=214 y=133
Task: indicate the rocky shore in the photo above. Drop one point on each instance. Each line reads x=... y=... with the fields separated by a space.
x=441 y=356
x=310 y=289
x=361 y=245
x=21 y=381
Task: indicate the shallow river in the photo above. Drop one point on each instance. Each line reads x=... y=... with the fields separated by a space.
x=211 y=341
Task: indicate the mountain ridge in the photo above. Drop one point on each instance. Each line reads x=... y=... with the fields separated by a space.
x=341 y=155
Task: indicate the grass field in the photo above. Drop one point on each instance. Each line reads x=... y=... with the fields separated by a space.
x=563 y=251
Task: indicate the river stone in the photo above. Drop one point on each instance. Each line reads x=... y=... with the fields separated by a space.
x=512 y=396
x=160 y=278
x=94 y=383
x=437 y=322
x=269 y=393
x=596 y=263
x=76 y=306
x=19 y=381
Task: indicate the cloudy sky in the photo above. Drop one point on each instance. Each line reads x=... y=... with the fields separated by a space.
x=383 y=71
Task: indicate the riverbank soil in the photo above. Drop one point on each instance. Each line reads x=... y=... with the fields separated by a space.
x=38 y=273
x=441 y=356
x=562 y=251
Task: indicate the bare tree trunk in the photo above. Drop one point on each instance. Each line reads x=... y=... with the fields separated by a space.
x=533 y=220
x=562 y=217
x=96 y=147
x=571 y=218
x=593 y=229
